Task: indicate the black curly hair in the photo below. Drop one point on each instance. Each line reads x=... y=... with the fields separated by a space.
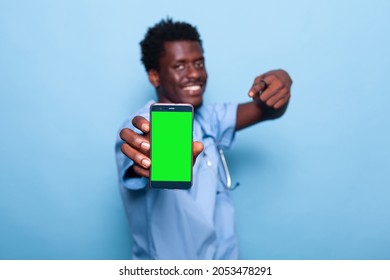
x=167 y=30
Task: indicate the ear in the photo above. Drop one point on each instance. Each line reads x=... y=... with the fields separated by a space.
x=154 y=78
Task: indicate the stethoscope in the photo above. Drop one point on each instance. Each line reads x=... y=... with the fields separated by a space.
x=228 y=183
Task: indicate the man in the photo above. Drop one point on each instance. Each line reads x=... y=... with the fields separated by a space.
x=197 y=223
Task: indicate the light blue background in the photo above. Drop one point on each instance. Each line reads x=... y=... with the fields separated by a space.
x=314 y=184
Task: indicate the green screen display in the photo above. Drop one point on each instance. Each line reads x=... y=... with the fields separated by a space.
x=171 y=140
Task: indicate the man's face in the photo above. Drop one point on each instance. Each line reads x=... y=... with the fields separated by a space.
x=182 y=76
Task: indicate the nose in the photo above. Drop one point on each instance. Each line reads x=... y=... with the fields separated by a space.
x=193 y=72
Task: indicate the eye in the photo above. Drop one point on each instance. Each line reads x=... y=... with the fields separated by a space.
x=199 y=64
x=179 y=67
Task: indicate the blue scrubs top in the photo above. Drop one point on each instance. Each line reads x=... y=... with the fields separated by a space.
x=197 y=223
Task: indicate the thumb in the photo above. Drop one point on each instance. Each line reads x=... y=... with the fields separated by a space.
x=197 y=148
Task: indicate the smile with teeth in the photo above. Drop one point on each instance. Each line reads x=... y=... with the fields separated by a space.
x=193 y=89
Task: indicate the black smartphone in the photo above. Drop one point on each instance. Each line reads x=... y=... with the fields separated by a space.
x=171 y=145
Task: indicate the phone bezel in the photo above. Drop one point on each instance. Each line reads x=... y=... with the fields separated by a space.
x=170 y=107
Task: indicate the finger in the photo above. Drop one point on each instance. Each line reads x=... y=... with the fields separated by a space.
x=141 y=123
x=274 y=87
x=135 y=140
x=197 y=148
x=141 y=171
x=258 y=89
x=259 y=84
x=281 y=103
x=136 y=156
x=281 y=94
x=262 y=87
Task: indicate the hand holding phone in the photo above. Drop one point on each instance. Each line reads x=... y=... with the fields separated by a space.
x=137 y=147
